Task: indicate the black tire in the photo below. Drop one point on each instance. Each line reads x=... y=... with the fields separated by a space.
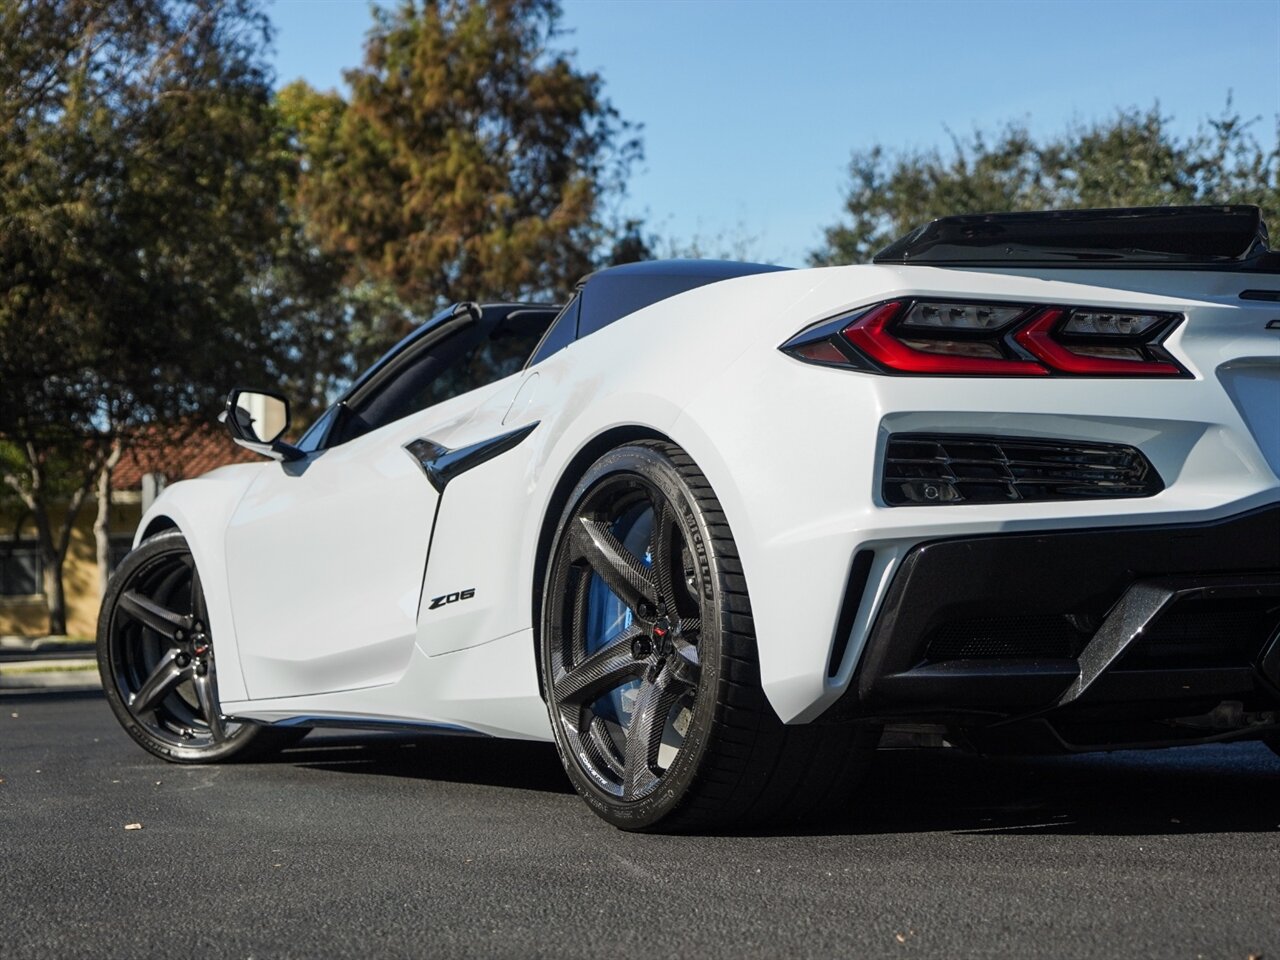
x=688 y=634
x=155 y=655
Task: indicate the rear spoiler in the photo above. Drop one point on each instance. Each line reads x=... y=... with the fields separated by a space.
x=1230 y=238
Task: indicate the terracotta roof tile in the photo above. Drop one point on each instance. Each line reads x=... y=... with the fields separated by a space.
x=178 y=452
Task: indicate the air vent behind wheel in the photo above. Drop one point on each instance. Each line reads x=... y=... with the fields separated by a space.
x=935 y=469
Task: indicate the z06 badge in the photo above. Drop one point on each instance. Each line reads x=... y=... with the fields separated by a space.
x=437 y=602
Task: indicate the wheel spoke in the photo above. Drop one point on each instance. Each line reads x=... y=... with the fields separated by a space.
x=605 y=669
x=151 y=614
x=660 y=549
x=576 y=649
x=163 y=678
x=199 y=609
x=684 y=663
x=644 y=734
x=600 y=748
x=623 y=572
x=208 y=699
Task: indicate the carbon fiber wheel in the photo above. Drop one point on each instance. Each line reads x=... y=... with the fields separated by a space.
x=156 y=657
x=649 y=664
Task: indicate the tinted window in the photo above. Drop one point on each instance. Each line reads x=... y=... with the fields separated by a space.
x=562 y=332
x=442 y=367
x=478 y=363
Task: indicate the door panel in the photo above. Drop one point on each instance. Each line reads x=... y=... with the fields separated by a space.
x=326 y=556
x=325 y=562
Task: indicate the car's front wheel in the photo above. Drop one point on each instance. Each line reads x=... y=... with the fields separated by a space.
x=155 y=655
x=649 y=662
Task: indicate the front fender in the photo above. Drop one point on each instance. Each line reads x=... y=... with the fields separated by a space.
x=201 y=509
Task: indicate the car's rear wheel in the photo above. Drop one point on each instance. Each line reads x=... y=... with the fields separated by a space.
x=649 y=662
x=155 y=654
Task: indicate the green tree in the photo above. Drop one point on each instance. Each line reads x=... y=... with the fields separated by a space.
x=1134 y=159
x=472 y=160
x=142 y=177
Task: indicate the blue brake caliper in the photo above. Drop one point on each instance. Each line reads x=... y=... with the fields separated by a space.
x=608 y=616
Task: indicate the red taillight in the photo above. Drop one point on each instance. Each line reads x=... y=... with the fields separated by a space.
x=1038 y=339
x=870 y=334
x=961 y=338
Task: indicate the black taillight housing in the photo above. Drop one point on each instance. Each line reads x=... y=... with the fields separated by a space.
x=943 y=337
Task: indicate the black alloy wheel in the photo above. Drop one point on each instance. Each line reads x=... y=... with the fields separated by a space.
x=156 y=657
x=649 y=665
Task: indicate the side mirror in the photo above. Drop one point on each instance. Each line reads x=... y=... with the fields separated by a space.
x=257 y=420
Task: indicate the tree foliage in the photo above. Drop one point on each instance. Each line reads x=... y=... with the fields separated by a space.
x=472 y=160
x=1134 y=159
x=140 y=181
x=142 y=174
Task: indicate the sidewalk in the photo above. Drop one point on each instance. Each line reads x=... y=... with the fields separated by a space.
x=47 y=663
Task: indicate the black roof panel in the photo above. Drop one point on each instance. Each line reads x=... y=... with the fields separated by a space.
x=611 y=294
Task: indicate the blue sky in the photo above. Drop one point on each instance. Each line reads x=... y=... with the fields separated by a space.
x=751 y=108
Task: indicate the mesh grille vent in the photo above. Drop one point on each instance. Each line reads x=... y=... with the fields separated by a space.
x=1206 y=633
x=1006 y=638
x=929 y=469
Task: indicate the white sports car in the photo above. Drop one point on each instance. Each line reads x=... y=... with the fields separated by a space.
x=713 y=527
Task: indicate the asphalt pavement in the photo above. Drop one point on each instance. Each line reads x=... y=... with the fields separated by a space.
x=366 y=845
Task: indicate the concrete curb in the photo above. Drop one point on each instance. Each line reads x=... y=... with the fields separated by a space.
x=17 y=646
x=36 y=674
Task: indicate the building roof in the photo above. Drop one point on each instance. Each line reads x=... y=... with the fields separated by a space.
x=179 y=452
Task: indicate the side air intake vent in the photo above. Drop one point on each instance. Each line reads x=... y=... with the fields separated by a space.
x=934 y=469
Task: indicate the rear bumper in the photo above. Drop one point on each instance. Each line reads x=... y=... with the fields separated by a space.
x=797 y=453
x=1152 y=621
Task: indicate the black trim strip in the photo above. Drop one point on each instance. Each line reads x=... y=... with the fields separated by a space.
x=859 y=571
x=372 y=723
x=441 y=464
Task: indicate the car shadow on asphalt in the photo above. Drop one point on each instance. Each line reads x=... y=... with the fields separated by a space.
x=1209 y=789
x=1226 y=788
x=452 y=758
